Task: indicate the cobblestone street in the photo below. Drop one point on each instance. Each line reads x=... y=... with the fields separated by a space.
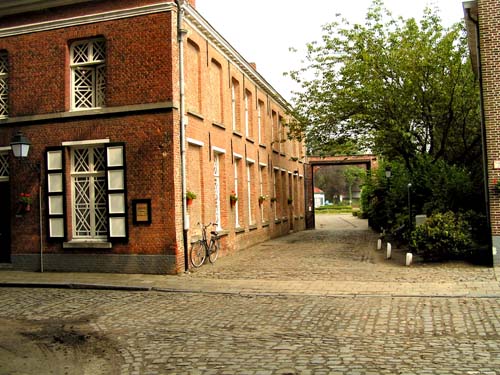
x=74 y=331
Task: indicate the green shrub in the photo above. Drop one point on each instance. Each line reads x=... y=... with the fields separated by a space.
x=442 y=237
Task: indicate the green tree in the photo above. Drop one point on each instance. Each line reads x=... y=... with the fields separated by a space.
x=352 y=175
x=398 y=87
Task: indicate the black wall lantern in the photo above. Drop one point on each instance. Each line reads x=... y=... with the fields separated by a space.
x=20 y=145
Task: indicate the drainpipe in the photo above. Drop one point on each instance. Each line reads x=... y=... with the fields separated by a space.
x=483 y=124
x=180 y=40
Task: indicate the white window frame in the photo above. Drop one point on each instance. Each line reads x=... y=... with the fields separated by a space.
x=247 y=116
x=261 y=188
x=275 y=172
x=259 y=121
x=249 y=192
x=93 y=175
x=97 y=69
x=217 y=189
x=233 y=105
x=4 y=84
x=237 y=161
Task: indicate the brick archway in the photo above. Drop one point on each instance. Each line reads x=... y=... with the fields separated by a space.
x=368 y=160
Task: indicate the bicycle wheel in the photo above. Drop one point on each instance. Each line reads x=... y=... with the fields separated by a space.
x=213 y=252
x=198 y=254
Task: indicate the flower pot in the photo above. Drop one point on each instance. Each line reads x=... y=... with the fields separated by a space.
x=189 y=201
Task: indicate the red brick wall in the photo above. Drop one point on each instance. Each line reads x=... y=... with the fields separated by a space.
x=489 y=23
x=142 y=68
x=206 y=124
x=149 y=176
x=138 y=64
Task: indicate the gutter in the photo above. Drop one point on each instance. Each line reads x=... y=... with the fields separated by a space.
x=182 y=123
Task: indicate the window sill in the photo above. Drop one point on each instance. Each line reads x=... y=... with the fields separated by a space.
x=239 y=230
x=262 y=145
x=265 y=224
x=277 y=221
x=237 y=133
x=87 y=245
x=252 y=227
x=222 y=233
x=195 y=114
x=218 y=125
x=249 y=139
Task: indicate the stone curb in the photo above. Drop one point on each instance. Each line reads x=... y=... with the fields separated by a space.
x=242 y=293
x=73 y=286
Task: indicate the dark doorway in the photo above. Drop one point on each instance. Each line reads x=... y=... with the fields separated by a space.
x=5 y=237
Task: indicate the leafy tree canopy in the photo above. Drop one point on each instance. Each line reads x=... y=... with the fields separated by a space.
x=397 y=87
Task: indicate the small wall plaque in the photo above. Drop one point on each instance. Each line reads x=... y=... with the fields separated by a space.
x=141 y=209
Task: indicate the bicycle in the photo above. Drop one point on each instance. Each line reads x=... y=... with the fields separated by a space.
x=201 y=248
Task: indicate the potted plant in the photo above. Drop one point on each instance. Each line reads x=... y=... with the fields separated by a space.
x=24 y=203
x=273 y=199
x=233 y=198
x=262 y=198
x=290 y=200
x=496 y=185
x=189 y=197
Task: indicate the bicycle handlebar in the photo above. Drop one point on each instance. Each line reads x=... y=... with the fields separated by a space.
x=206 y=226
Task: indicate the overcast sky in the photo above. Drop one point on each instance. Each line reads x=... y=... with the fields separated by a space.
x=262 y=31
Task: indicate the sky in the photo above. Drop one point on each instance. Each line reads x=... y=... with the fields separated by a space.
x=263 y=31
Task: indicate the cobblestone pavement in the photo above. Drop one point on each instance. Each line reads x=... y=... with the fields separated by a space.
x=252 y=313
x=342 y=248
x=163 y=333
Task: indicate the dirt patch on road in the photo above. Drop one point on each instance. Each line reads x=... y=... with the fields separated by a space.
x=55 y=347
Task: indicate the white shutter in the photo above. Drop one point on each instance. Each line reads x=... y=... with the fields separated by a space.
x=54 y=173
x=116 y=192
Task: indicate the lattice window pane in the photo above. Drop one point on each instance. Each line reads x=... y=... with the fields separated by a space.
x=89 y=74
x=81 y=160
x=4 y=87
x=101 y=223
x=98 y=162
x=90 y=210
x=100 y=89
x=4 y=63
x=83 y=226
x=4 y=98
x=81 y=53
x=84 y=87
x=99 y=50
x=4 y=165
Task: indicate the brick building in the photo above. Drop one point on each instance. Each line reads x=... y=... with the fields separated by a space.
x=483 y=25
x=98 y=88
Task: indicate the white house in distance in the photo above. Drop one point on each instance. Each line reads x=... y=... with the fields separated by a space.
x=319 y=197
